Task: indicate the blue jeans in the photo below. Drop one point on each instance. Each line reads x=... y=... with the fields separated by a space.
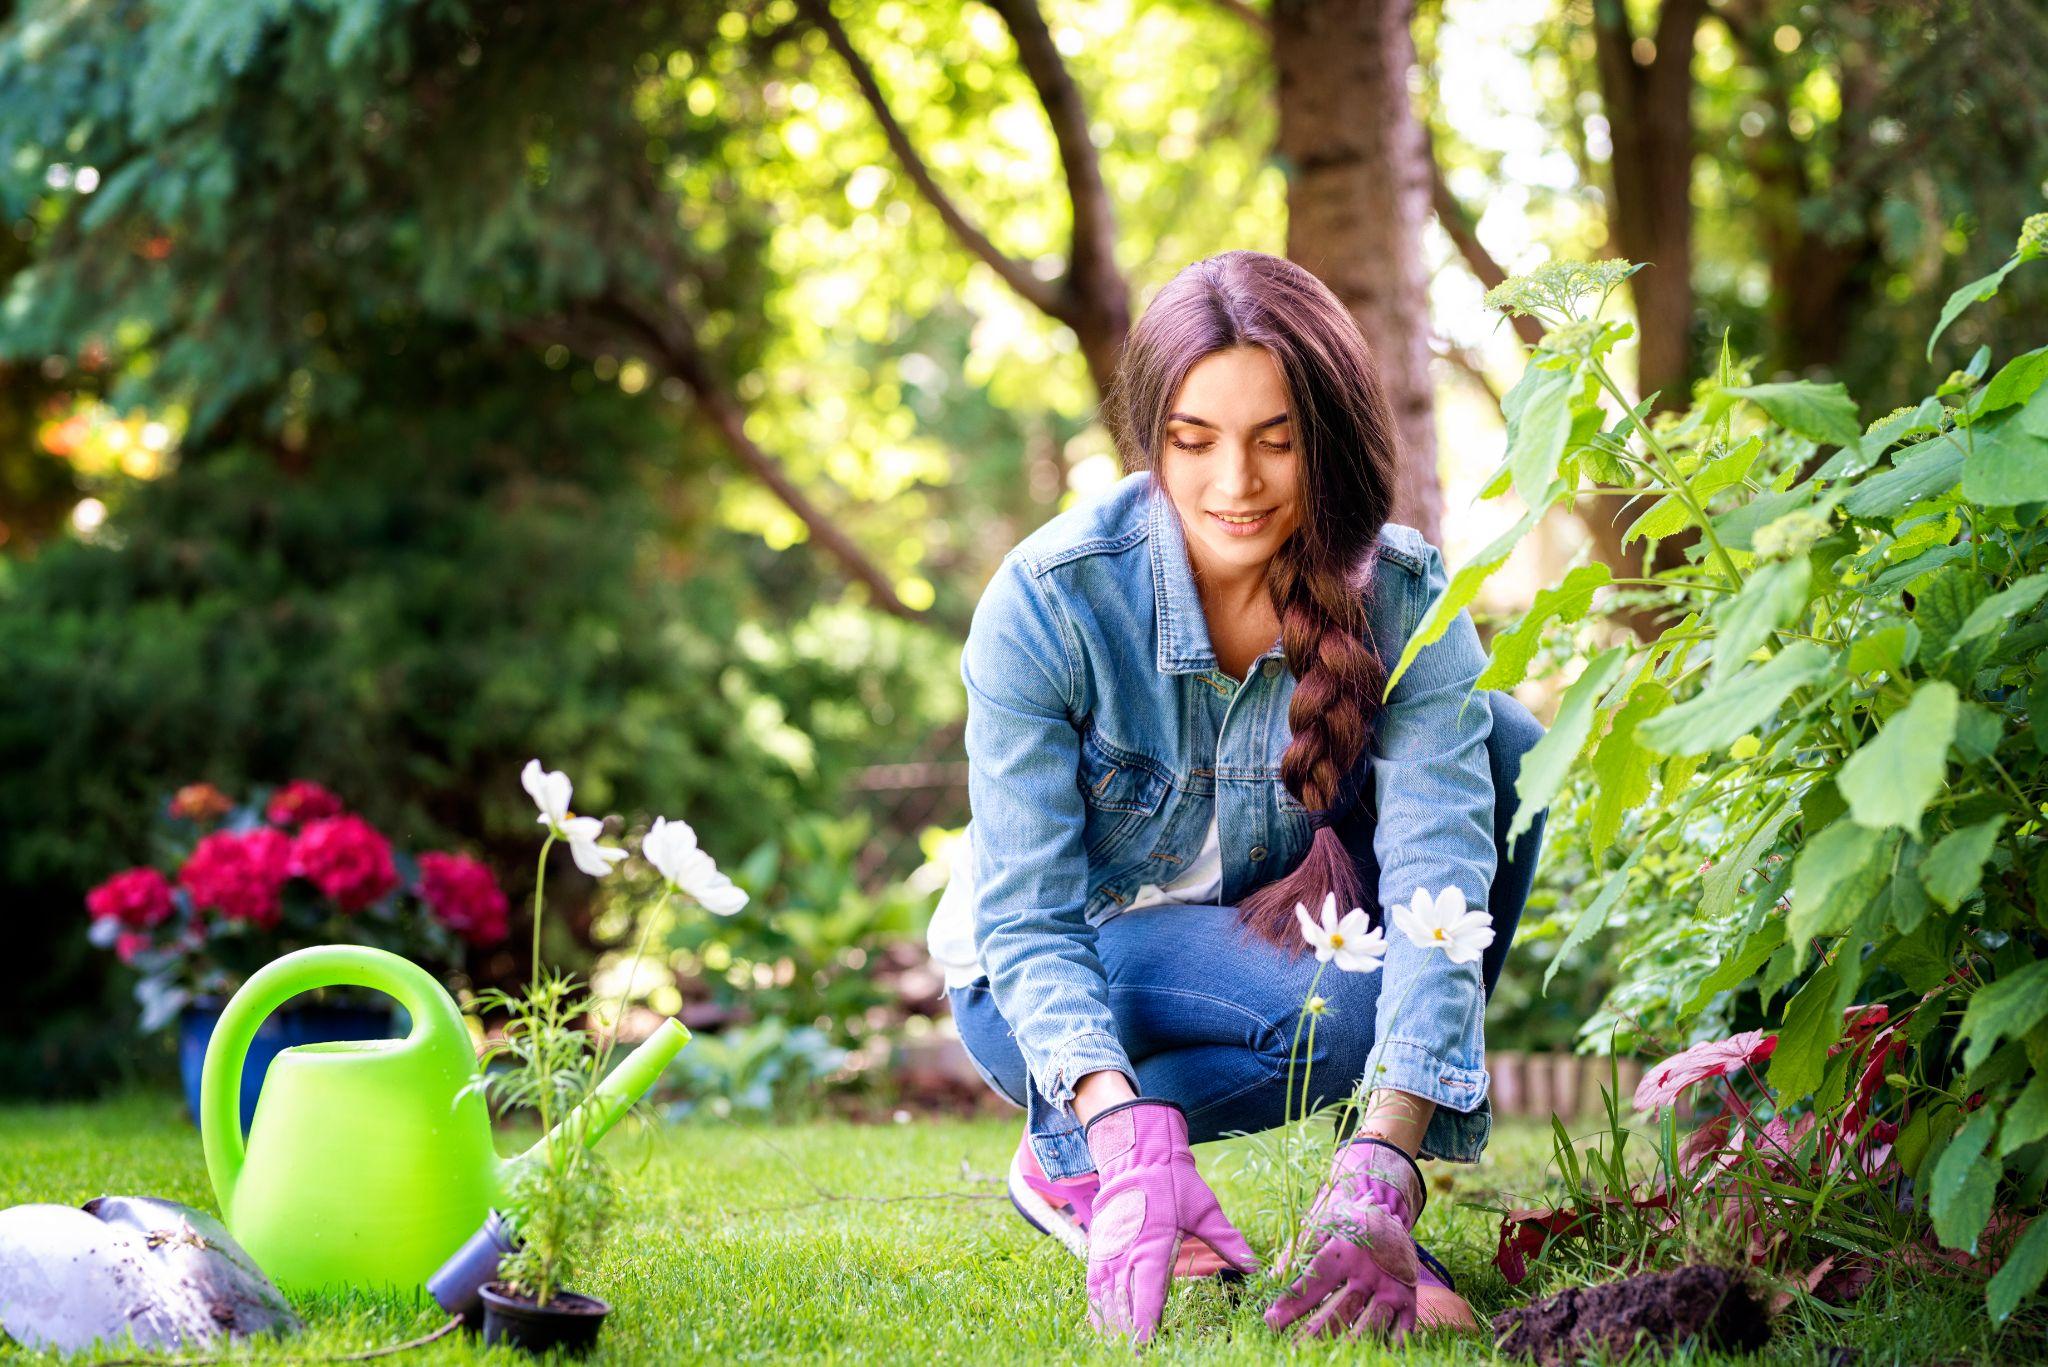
x=1207 y=1012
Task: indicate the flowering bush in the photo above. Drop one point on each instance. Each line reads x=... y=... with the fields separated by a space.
x=290 y=868
x=1808 y=751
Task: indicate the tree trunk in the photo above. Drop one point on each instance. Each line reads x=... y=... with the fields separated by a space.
x=1358 y=192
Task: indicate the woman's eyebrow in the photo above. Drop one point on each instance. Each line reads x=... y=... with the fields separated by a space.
x=1204 y=422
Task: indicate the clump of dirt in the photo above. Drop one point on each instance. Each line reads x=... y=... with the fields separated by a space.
x=1710 y=1306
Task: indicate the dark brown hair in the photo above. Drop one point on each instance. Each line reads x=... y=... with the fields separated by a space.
x=1320 y=577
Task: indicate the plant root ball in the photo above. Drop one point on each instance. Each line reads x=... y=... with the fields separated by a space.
x=1709 y=1305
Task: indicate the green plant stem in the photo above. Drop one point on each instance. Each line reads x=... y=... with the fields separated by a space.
x=1668 y=468
x=668 y=893
x=540 y=878
x=1287 y=1140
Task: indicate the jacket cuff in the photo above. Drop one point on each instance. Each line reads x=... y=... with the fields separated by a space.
x=1407 y=1066
x=1092 y=1052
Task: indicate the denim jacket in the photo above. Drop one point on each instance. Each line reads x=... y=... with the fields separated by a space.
x=1101 y=734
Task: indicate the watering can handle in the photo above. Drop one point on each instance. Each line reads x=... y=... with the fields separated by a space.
x=435 y=1022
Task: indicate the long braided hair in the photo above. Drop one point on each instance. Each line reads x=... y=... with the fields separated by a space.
x=1320 y=577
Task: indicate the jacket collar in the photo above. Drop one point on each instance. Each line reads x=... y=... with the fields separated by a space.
x=1183 y=628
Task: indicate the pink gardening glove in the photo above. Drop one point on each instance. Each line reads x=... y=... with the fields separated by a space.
x=1151 y=1199
x=1361 y=1264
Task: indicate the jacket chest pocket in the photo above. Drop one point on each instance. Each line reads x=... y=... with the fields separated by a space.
x=1121 y=790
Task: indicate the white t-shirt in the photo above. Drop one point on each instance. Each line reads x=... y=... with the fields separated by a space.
x=951 y=935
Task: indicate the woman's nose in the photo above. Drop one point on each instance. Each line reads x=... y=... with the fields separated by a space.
x=1238 y=476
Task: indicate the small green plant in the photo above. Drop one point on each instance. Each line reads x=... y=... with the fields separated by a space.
x=558 y=1204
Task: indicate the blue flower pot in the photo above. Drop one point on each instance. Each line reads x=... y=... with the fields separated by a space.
x=280 y=1030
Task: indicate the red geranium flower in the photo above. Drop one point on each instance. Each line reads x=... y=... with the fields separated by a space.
x=129 y=943
x=200 y=802
x=464 y=895
x=346 y=859
x=301 y=801
x=1666 y=1082
x=239 y=874
x=137 y=898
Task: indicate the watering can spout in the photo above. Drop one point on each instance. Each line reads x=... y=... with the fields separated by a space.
x=616 y=1094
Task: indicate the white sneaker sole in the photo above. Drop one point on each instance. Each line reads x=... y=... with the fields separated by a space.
x=1044 y=1217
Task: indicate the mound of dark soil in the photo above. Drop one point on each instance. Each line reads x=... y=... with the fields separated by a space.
x=1708 y=1305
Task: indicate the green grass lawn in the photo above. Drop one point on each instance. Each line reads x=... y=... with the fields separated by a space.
x=835 y=1242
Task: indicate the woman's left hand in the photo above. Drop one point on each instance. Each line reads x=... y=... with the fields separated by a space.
x=1360 y=1265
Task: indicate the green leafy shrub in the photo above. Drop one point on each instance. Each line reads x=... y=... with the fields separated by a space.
x=1821 y=786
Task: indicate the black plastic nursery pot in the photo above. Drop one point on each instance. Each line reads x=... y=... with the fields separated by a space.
x=568 y=1322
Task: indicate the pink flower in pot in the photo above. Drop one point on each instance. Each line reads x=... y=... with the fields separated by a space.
x=239 y=874
x=464 y=895
x=137 y=898
x=346 y=858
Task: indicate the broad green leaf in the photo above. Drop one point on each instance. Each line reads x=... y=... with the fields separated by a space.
x=1896 y=577
x=1890 y=781
x=1887 y=431
x=1669 y=514
x=1724 y=880
x=1738 y=526
x=1902 y=901
x=1774 y=597
x=1838 y=872
x=2008 y=461
x=1978 y=731
x=1548 y=763
x=2000 y=608
x=1942 y=603
x=1976 y=292
x=1539 y=418
x=1886 y=649
x=1737 y=705
x=1925 y=471
x=1514 y=648
x=1739 y=967
x=2021 y=1274
x=1955 y=865
x=2012 y=1005
x=2027 y=1118
x=1594 y=916
x=1965 y=1177
x=1813 y=1021
x=2015 y=383
x=1824 y=412
x=1621 y=767
x=1465 y=585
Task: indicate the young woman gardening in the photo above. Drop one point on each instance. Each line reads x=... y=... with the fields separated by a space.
x=1176 y=733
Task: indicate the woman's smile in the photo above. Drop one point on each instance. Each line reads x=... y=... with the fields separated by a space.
x=1243 y=524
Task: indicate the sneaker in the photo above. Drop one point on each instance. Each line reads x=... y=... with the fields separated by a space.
x=1061 y=1208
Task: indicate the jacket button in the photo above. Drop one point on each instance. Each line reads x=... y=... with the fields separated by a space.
x=1258 y=853
x=1272 y=669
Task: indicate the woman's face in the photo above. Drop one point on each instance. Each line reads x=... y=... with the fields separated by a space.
x=1228 y=460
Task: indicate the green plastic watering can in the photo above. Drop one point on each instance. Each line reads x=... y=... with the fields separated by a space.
x=369 y=1161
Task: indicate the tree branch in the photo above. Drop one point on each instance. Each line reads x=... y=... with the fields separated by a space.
x=1014 y=273
x=1463 y=230
x=1096 y=297
x=674 y=349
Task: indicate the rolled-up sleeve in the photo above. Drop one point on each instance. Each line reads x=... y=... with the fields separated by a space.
x=1433 y=791
x=1030 y=858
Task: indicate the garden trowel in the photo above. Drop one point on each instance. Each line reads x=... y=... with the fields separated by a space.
x=129 y=1267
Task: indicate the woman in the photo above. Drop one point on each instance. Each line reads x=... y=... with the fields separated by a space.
x=1176 y=733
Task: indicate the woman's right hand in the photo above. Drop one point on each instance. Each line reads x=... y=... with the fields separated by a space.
x=1150 y=1201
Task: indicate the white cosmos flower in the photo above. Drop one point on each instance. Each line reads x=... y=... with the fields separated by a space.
x=672 y=848
x=1443 y=922
x=1353 y=943
x=550 y=790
